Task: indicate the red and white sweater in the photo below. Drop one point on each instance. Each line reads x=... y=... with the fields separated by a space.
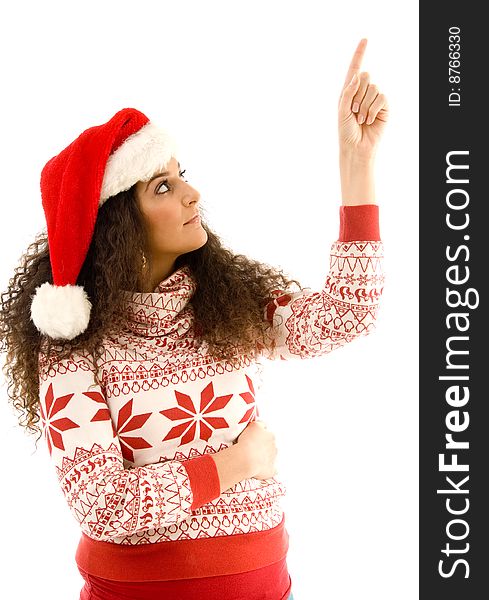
x=134 y=457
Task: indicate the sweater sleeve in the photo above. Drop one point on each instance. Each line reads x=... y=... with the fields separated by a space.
x=105 y=498
x=307 y=323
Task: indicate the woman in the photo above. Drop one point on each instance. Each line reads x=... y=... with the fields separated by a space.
x=135 y=337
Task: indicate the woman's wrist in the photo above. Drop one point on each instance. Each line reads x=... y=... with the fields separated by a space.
x=357 y=179
x=233 y=465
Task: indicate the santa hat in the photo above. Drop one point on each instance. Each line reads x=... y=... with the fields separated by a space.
x=101 y=162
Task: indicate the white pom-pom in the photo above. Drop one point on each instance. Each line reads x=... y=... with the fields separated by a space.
x=60 y=311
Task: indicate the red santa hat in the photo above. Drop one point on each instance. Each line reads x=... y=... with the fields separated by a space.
x=101 y=162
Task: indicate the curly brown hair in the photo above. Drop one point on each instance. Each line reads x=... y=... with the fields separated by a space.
x=232 y=292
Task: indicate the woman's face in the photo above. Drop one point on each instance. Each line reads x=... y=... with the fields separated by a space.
x=167 y=202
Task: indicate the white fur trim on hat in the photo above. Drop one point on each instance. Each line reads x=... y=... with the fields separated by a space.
x=138 y=158
x=60 y=311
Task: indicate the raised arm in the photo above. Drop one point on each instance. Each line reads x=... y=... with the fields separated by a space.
x=307 y=324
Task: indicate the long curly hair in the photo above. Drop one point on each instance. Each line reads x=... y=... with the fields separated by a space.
x=229 y=302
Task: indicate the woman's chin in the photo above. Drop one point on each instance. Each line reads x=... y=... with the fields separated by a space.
x=203 y=237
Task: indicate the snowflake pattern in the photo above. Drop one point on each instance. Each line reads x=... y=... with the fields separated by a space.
x=53 y=429
x=103 y=414
x=190 y=416
x=249 y=397
x=127 y=423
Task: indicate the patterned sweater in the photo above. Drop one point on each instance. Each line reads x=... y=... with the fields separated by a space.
x=134 y=456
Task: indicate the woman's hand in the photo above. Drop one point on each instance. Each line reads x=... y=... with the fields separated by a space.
x=360 y=98
x=259 y=446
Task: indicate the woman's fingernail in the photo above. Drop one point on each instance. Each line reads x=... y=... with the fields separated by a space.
x=361 y=119
x=355 y=107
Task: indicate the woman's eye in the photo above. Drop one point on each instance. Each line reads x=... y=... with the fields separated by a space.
x=165 y=183
x=158 y=188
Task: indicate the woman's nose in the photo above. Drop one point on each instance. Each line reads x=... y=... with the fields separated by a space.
x=192 y=195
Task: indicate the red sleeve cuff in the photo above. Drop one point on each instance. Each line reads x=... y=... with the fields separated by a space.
x=204 y=479
x=360 y=222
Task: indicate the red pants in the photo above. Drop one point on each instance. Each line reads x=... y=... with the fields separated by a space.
x=268 y=583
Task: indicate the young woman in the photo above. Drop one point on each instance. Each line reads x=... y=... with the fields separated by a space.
x=135 y=337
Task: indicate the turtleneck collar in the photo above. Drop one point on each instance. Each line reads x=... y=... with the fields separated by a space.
x=166 y=310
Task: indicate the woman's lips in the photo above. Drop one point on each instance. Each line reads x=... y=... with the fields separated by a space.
x=196 y=219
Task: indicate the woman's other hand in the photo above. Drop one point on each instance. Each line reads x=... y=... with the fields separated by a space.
x=362 y=111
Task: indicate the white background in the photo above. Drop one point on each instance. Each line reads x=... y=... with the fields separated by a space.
x=250 y=90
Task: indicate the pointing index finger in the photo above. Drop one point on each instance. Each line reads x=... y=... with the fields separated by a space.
x=356 y=61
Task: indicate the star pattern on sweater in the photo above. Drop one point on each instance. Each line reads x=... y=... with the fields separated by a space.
x=249 y=398
x=125 y=423
x=53 y=429
x=187 y=412
x=103 y=414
